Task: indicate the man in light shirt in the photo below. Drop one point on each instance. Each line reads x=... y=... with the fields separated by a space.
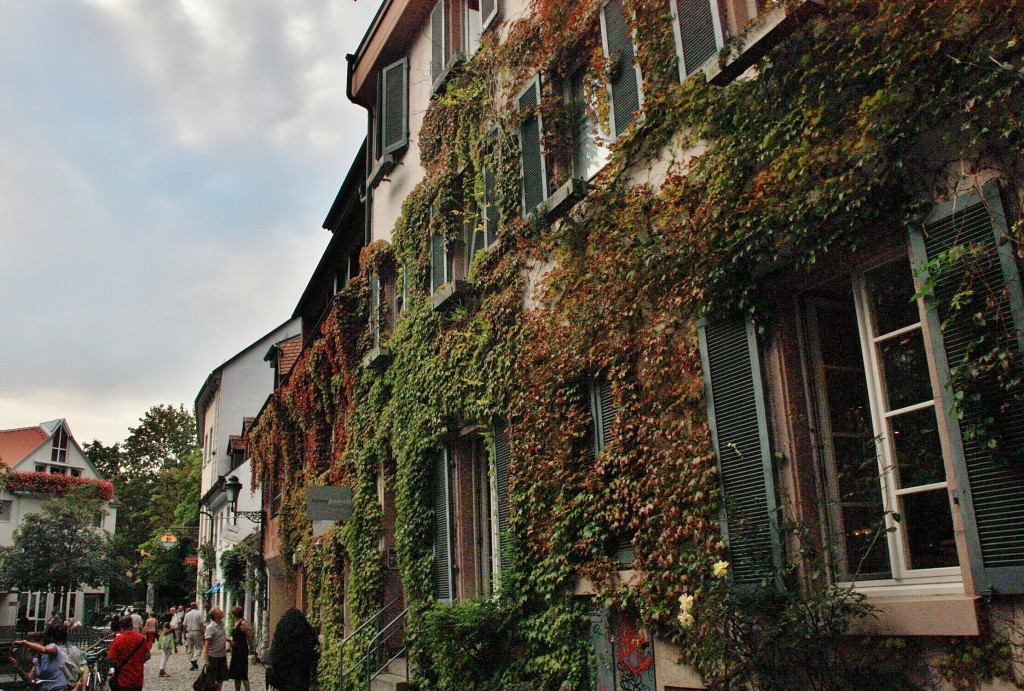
x=193 y=625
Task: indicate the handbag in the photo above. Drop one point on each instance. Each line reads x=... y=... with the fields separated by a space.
x=203 y=682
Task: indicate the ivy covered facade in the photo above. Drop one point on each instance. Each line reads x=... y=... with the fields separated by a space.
x=685 y=349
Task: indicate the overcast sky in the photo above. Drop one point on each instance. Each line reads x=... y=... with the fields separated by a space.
x=165 y=169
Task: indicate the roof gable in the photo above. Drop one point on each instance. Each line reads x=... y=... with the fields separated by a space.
x=16 y=444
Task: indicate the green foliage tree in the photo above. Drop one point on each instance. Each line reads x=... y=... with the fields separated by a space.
x=61 y=549
x=156 y=475
x=293 y=653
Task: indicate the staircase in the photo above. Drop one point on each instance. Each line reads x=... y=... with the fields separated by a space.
x=383 y=666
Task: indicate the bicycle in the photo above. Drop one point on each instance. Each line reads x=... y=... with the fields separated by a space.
x=99 y=668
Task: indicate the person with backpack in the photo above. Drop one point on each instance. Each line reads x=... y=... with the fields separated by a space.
x=75 y=668
x=47 y=667
x=129 y=654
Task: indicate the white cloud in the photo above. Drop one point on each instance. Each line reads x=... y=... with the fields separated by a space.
x=164 y=169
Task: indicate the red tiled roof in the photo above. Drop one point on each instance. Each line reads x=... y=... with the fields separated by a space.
x=15 y=444
x=290 y=350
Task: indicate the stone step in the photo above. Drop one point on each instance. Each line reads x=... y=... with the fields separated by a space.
x=389 y=682
x=399 y=667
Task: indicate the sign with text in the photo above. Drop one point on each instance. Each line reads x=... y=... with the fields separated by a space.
x=328 y=503
x=191 y=561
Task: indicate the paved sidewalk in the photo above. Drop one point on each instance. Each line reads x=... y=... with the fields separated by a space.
x=182 y=677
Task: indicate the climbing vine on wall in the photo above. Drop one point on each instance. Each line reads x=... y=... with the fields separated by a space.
x=810 y=159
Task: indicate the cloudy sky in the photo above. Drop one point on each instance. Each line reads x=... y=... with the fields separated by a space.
x=165 y=168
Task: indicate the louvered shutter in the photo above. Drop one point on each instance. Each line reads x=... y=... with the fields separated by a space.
x=438 y=259
x=989 y=489
x=739 y=434
x=502 y=456
x=375 y=309
x=533 y=175
x=490 y=194
x=488 y=13
x=603 y=409
x=698 y=33
x=437 y=40
x=624 y=89
x=444 y=581
x=395 y=106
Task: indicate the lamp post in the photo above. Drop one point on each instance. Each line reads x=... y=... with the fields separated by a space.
x=231 y=489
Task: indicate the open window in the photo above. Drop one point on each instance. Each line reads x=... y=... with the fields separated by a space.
x=455 y=28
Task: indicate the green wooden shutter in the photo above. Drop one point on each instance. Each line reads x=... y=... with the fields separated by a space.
x=490 y=212
x=375 y=309
x=395 y=106
x=698 y=33
x=502 y=455
x=437 y=262
x=437 y=40
x=444 y=577
x=738 y=419
x=533 y=174
x=624 y=89
x=989 y=489
x=602 y=407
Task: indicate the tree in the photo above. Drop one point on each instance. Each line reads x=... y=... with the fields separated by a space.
x=174 y=508
x=293 y=653
x=164 y=437
x=155 y=474
x=61 y=549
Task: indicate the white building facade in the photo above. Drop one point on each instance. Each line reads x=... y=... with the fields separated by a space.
x=43 y=462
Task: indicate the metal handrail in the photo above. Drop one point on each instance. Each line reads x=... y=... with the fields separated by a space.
x=372 y=619
x=376 y=644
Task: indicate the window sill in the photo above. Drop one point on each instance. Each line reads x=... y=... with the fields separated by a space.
x=565 y=197
x=767 y=31
x=384 y=165
x=440 y=84
x=377 y=358
x=939 y=614
x=450 y=295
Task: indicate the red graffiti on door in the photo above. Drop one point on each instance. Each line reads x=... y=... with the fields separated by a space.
x=631 y=647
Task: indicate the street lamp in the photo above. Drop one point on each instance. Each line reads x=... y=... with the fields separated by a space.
x=231 y=489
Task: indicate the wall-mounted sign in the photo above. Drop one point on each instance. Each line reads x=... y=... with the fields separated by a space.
x=191 y=561
x=328 y=503
x=168 y=541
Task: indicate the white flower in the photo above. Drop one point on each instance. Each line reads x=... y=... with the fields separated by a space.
x=686 y=619
x=720 y=569
x=686 y=602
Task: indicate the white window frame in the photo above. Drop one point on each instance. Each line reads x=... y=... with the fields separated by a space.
x=897 y=548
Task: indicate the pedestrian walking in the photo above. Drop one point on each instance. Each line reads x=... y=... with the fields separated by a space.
x=136 y=622
x=176 y=616
x=241 y=637
x=165 y=644
x=215 y=648
x=193 y=625
x=128 y=653
x=149 y=629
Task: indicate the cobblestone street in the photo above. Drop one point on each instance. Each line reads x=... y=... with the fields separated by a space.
x=181 y=677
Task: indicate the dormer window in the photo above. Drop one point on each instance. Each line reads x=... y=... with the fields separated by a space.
x=59 y=452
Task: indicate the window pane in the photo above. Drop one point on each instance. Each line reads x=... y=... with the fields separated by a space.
x=857 y=470
x=891 y=287
x=867 y=550
x=928 y=527
x=840 y=339
x=904 y=370
x=916 y=448
x=848 y=401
